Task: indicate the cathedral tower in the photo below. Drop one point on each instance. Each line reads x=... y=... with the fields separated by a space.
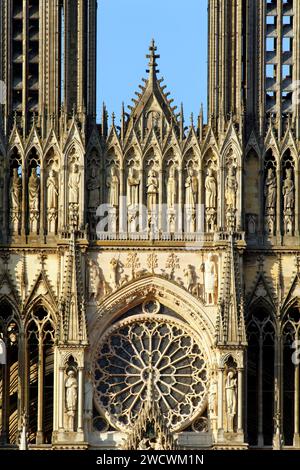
x=254 y=63
x=48 y=57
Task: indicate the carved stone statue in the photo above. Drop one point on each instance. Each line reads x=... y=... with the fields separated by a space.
x=71 y=398
x=88 y=400
x=212 y=400
x=152 y=190
x=144 y=445
x=210 y=190
x=210 y=279
x=93 y=187
x=133 y=184
x=114 y=274
x=16 y=191
x=288 y=191
x=191 y=189
x=34 y=199
x=95 y=281
x=52 y=201
x=231 y=189
x=74 y=184
x=189 y=274
x=171 y=189
x=158 y=443
x=112 y=182
x=34 y=191
x=270 y=191
x=52 y=191
x=231 y=399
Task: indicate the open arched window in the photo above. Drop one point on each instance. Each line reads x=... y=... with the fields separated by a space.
x=9 y=375
x=40 y=363
x=291 y=400
x=260 y=377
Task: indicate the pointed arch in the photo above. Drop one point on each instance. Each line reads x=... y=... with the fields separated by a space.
x=261 y=335
x=40 y=334
x=232 y=150
x=188 y=308
x=152 y=153
x=10 y=382
x=290 y=340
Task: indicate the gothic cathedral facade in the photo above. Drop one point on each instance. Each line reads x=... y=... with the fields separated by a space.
x=149 y=269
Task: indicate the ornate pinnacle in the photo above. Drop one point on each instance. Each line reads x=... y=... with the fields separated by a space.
x=113 y=118
x=152 y=59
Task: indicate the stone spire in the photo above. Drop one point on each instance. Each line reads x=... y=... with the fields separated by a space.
x=230 y=328
x=74 y=328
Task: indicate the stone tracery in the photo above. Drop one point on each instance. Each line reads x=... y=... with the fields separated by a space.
x=156 y=349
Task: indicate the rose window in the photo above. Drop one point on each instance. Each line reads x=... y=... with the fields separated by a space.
x=143 y=357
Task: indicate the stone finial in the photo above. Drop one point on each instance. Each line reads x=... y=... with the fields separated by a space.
x=152 y=60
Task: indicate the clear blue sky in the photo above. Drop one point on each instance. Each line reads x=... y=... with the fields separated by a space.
x=125 y=29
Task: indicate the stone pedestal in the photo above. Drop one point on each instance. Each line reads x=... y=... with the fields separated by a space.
x=132 y=219
x=190 y=220
x=171 y=221
x=210 y=220
x=112 y=220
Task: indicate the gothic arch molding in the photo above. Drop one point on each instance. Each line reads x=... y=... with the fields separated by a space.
x=14 y=306
x=189 y=309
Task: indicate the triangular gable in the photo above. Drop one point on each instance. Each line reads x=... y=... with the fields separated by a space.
x=261 y=290
x=41 y=288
